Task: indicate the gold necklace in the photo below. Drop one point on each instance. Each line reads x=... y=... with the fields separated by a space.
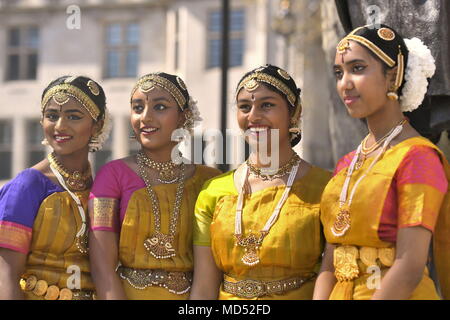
x=253 y=242
x=166 y=169
x=365 y=150
x=281 y=172
x=161 y=245
x=76 y=180
x=343 y=219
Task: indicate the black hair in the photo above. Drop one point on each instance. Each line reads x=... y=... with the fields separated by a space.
x=287 y=80
x=81 y=83
x=389 y=47
x=177 y=82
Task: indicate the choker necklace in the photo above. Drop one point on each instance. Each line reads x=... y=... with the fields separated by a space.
x=160 y=245
x=76 y=180
x=264 y=173
x=252 y=242
x=342 y=222
x=166 y=169
x=365 y=151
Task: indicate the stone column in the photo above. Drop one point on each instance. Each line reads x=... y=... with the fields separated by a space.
x=19 y=143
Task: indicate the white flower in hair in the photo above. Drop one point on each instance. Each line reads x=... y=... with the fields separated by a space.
x=194 y=117
x=421 y=65
x=104 y=133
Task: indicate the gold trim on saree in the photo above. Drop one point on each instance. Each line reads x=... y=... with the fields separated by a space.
x=176 y=282
x=104 y=211
x=41 y=288
x=345 y=260
x=257 y=288
x=61 y=94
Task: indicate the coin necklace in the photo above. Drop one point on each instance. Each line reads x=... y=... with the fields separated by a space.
x=81 y=238
x=252 y=242
x=365 y=151
x=343 y=221
x=281 y=172
x=160 y=245
x=166 y=169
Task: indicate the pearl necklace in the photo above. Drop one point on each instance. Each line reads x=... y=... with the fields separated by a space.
x=252 y=242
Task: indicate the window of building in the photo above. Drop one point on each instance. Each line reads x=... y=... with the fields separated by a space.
x=5 y=149
x=237 y=27
x=122 y=50
x=36 y=151
x=22 y=53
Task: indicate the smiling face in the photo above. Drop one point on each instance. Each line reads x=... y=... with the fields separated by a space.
x=67 y=128
x=361 y=81
x=261 y=110
x=154 y=117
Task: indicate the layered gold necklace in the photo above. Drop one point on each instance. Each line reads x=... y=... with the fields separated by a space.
x=263 y=173
x=167 y=172
x=365 y=151
x=76 y=181
x=253 y=242
x=160 y=245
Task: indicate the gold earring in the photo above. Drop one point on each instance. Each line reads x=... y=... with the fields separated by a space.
x=45 y=142
x=392 y=95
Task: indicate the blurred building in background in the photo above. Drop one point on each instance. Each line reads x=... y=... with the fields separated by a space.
x=117 y=41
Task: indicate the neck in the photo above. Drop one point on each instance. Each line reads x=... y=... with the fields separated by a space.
x=385 y=120
x=159 y=155
x=77 y=161
x=284 y=154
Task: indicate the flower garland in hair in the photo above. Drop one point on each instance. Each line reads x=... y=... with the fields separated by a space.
x=194 y=118
x=104 y=133
x=421 y=65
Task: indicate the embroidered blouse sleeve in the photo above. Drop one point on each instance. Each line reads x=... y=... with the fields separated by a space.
x=104 y=197
x=421 y=187
x=20 y=200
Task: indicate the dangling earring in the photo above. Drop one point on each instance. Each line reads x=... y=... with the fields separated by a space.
x=45 y=142
x=392 y=95
x=94 y=144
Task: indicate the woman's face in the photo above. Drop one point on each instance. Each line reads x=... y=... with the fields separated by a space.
x=261 y=110
x=68 y=128
x=360 y=81
x=154 y=117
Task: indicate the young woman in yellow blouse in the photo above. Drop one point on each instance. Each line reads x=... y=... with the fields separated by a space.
x=142 y=206
x=388 y=200
x=257 y=231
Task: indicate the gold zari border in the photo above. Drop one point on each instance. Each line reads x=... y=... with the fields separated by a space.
x=104 y=211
